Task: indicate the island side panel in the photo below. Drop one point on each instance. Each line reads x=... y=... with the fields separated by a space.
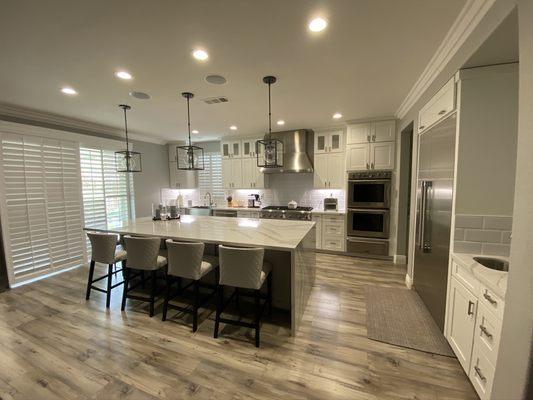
x=281 y=278
x=303 y=273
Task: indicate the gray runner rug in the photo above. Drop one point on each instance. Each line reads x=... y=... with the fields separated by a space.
x=398 y=316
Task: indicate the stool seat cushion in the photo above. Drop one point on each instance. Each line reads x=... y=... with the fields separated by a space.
x=208 y=263
x=161 y=261
x=267 y=268
x=120 y=255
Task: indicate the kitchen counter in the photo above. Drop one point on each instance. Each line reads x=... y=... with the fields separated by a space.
x=322 y=212
x=494 y=280
x=289 y=246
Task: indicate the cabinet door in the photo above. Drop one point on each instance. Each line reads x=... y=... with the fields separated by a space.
x=335 y=175
x=321 y=171
x=236 y=172
x=383 y=131
x=248 y=172
x=259 y=177
x=358 y=133
x=357 y=157
x=461 y=320
x=248 y=148
x=172 y=152
x=236 y=149
x=182 y=179
x=226 y=149
x=227 y=174
x=321 y=142
x=336 y=142
x=173 y=174
x=382 y=155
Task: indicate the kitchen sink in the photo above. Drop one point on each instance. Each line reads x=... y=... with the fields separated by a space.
x=201 y=207
x=201 y=210
x=493 y=263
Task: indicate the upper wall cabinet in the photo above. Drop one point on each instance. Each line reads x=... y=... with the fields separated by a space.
x=440 y=105
x=370 y=132
x=231 y=149
x=329 y=142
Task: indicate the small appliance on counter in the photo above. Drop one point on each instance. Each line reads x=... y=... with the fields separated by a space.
x=292 y=205
x=331 y=204
x=161 y=212
x=253 y=201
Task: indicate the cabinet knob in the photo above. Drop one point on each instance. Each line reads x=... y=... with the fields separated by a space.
x=372 y=166
x=367 y=166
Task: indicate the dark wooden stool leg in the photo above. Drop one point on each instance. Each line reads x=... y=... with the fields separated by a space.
x=152 y=292
x=220 y=300
x=167 y=297
x=142 y=279
x=257 y=316
x=195 y=306
x=237 y=298
x=126 y=284
x=109 y=279
x=90 y=280
x=269 y=289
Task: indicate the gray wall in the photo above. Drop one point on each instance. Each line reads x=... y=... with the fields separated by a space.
x=403 y=194
x=515 y=345
x=154 y=176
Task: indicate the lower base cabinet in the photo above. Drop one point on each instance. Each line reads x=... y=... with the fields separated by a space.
x=330 y=232
x=474 y=321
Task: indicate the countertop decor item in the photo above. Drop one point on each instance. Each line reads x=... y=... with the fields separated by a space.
x=292 y=205
x=127 y=160
x=190 y=158
x=269 y=151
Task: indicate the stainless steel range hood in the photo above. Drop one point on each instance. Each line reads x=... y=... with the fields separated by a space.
x=298 y=151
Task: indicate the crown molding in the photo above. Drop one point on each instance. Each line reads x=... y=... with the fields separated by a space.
x=31 y=116
x=465 y=23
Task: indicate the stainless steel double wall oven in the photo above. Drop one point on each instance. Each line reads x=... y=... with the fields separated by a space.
x=368 y=221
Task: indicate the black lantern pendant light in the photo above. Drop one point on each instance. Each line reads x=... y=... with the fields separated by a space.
x=127 y=161
x=269 y=151
x=190 y=158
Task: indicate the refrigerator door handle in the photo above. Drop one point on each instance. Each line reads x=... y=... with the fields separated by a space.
x=423 y=191
x=426 y=233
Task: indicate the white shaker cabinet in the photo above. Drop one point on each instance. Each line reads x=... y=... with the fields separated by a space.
x=329 y=142
x=371 y=132
x=232 y=173
x=329 y=171
x=382 y=155
x=362 y=157
x=230 y=149
x=252 y=177
x=180 y=179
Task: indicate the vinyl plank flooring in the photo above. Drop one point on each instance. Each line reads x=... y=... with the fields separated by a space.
x=56 y=345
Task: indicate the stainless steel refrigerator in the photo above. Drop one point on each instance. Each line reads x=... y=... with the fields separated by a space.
x=433 y=216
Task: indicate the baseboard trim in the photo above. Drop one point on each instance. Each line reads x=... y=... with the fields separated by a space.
x=400 y=259
x=408 y=281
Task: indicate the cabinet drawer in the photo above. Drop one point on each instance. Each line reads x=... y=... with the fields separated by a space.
x=465 y=277
x=481 y=374
x=491 y=301
x=333 y=229
x=487 y=333
x=332 y=219
x=333 y=243
x=439 y=106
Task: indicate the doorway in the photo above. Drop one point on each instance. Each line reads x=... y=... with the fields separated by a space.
x=404 y=190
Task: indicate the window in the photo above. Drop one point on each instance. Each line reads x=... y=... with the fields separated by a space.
x=107 y=194
x=43 y=206
x=210 y=178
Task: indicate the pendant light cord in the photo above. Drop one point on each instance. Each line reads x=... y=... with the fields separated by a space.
x=189 y=120
x=126 y=127
x=269 y=113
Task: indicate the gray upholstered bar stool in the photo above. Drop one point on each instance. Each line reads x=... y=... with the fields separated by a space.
x=143 y=255
x=104 y=250
x=244 y=268
x=187 y=260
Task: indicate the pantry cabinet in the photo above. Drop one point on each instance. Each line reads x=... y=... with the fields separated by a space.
x=329 y=171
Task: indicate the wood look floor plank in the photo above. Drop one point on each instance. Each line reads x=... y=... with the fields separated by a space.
x=56 y=345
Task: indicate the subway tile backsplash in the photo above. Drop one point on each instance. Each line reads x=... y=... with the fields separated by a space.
x=483 y=234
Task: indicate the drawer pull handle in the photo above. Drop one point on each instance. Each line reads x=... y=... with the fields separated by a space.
x=442 y=112
x=485 y=331
x=421 y=127
x=470 y=308
x=480 y=374
x=490 y=299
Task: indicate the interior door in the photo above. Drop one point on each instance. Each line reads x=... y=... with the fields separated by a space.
x=434 y=213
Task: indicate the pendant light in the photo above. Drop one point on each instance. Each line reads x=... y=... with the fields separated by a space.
x=190 y=158
x=269 y=151
x=127 y=161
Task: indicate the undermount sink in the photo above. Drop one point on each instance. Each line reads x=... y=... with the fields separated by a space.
x=493 y=263
x=201 y=207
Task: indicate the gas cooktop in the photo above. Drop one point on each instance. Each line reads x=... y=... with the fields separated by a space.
x=286 y=208
x=284 y=212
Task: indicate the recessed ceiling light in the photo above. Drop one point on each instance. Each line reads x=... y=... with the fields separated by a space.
x=195 y=131
x=123 y=75
x=68 y=90
x=280 y=122
x=200 y=54
x=337 y=115
x=233 y=127
x=318 y=24
x=140 y=95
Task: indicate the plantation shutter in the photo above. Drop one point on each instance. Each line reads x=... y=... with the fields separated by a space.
x=210 y=179
x=43 y=205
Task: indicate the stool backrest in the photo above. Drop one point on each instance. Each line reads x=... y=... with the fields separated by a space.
x=241 y=267
x=103 y=246
x=185 y=259
x=142 y=252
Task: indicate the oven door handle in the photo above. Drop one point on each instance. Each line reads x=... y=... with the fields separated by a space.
x=369 y=180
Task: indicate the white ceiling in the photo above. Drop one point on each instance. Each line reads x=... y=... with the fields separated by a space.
x=362 y=65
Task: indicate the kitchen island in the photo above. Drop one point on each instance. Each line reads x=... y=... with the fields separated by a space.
x=289 y=246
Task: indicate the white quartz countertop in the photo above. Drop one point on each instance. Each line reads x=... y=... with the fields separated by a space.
x=266 y=233
x=494 y=280
x=323 y=212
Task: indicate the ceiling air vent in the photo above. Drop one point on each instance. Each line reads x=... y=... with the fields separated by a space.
x=215 y=100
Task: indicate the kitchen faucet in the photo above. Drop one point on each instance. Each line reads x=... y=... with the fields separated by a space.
x=210 y=199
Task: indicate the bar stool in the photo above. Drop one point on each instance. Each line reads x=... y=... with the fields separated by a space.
x=187 y=260
x=143 y=255
x=244 y=268
x=104 y=250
